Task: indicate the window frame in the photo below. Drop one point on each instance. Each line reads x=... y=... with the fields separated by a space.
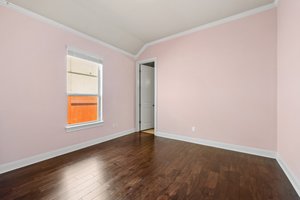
x=90 y=58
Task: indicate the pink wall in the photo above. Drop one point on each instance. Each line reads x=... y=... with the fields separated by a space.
x=33 y=88
x=221 y=80
x=289 y=84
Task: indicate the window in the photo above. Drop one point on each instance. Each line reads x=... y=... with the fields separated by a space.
x=84 y=90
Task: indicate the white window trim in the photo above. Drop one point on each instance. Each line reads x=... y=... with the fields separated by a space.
x=81 y=126
x=92 y=58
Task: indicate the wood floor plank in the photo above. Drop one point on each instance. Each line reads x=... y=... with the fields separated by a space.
x=141 y=166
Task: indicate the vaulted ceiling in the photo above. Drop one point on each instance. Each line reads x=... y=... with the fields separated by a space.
x=130 y=24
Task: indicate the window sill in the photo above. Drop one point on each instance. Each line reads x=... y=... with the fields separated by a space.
x=77 y=127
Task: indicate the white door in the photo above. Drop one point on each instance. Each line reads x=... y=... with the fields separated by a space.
x=146 y=97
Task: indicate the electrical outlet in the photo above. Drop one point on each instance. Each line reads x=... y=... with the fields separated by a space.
x=193 y=128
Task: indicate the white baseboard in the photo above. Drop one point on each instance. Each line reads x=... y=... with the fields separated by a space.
x=249 y=150
x=254 y=151
x=44 y=156
x=232 y=147
x=291 y=176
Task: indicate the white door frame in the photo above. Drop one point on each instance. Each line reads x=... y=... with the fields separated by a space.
x=137 y=97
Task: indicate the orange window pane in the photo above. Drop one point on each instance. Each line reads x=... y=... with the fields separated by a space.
x=82 y=109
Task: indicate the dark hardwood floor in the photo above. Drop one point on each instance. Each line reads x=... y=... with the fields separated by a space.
x=141 y=166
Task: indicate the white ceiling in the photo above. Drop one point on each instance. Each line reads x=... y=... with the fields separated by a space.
x=130 y=24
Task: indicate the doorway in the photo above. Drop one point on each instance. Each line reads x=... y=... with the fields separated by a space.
x=146 y=96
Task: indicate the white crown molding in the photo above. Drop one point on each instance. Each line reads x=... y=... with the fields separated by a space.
x=59 y=25
x=3 y=2
x=45 y=156
x=291 y=176
x=231 y=147
x=209 y=25
x=93 y=39
x=276 y=2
